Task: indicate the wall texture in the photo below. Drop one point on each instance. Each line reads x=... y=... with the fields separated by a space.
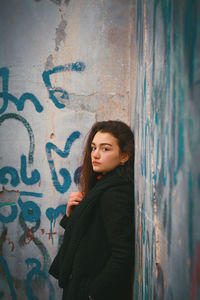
x=63 y=65
x=167 y=129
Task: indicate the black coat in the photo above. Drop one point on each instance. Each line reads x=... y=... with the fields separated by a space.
x=97 y=254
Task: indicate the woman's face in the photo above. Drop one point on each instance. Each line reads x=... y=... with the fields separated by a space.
x=105 y=153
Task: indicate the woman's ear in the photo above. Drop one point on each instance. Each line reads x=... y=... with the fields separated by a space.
x=124 y=158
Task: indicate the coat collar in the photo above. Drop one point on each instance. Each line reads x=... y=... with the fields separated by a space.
x=108 y=180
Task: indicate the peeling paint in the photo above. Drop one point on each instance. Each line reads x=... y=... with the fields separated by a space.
x=8 y=197
x=49 y=62
x=60 y=33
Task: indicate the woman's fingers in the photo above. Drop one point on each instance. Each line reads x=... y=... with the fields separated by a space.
x=76 y=196
x=74 y=199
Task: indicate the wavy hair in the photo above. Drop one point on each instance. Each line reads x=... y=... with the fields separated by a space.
x=125 y=137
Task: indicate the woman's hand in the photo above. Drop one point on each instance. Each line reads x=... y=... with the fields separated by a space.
x=73 y=200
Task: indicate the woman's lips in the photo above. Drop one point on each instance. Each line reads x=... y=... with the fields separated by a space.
x=95 y=163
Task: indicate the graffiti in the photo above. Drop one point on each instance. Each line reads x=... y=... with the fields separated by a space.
x=52 y=215
x=36 y=272
x=5 y=203
x=12 y=172
x=28 y=236
x=167 y=173
x=11 y=217
x=15 y=179
x=30 y=210
x=4 y=239
x=8 y=277
x=26 y=209
x=35 y=175
x=77 y=175
x=6 y=96
x=29 y=129
x=62 y=188
x=77 y=67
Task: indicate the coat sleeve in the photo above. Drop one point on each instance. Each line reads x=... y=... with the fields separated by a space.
x=55 y=266
x=117 y=205
x=64 y=221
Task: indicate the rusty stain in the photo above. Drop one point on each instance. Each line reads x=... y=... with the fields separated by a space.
x=52 y=135
x=49 y=62
x=10 y=243
x=4 y=238
x=60 y=33
x=39 y=182
x=42 y=230
x=50 y=233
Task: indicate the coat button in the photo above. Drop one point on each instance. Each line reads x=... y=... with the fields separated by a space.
x=70 y=276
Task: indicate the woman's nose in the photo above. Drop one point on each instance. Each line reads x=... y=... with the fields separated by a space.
x=96 y=153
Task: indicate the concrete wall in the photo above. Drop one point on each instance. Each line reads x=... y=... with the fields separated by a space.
x=63 y=65
x=167 y=127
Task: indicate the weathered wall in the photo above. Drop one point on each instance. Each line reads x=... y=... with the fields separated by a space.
x=63 y=65
x=167 y=127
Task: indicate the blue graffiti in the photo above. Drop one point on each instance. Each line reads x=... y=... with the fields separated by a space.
x=35 y=175
x=4 y=73
x=77 y=67
x=13 y=174
x=30 y=210
x=27 y=126
x=8 y=277
x=52 y=214
x=15 y=179
x=28 y=235
x=37 y=195
x=77 y=174
x=36 y=272
x=10 y=218
x=5 y=203
x=61 y=188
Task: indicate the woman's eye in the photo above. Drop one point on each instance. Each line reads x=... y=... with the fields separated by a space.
x=93 y=148
x=105 y=149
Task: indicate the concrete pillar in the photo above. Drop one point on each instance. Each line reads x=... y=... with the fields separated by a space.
x=167 y=168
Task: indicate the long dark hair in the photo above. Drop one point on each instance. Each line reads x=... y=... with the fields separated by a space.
x=125 y=137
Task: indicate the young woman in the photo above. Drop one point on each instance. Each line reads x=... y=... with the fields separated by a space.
x=96 y=259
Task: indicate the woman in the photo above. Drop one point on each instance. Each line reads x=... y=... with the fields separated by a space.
x=96 y=259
